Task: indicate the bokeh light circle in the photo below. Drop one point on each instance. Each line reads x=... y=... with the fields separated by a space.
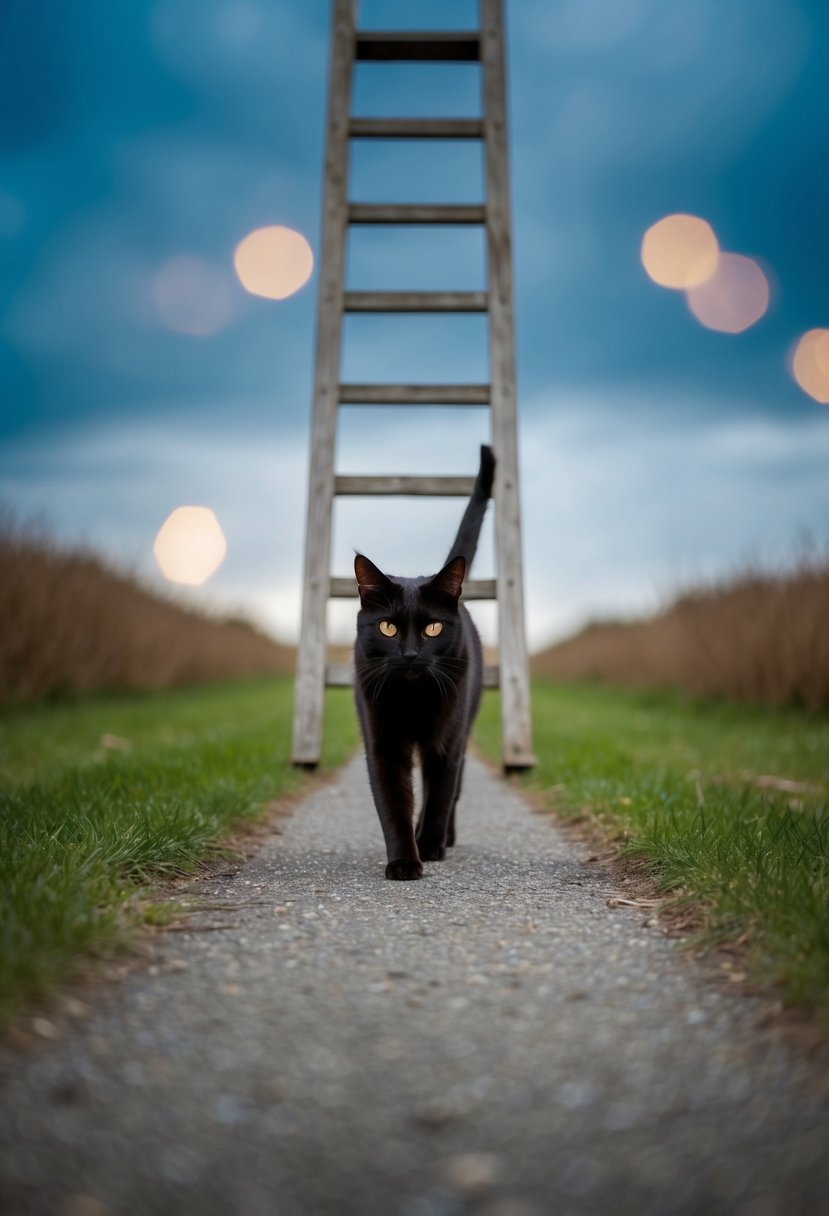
x=191 y=296
x=680 y=251
x=734 y=298
x=273 y=262
x=810 y=364
x=190 y=545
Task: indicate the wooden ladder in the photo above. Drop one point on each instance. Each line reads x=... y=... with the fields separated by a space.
x=486 y=46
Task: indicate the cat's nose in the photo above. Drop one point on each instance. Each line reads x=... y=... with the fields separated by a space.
x=410 y=653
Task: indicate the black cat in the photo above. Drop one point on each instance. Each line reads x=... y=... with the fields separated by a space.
x=419 y=673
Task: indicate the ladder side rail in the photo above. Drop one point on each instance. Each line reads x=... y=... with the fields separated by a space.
x=310 y=672
x=516 y=728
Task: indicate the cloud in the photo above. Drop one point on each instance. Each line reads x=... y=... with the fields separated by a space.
x=211 y=44
x=624 y=499
x=640 y=78
x=640 y=496
x=111 y=486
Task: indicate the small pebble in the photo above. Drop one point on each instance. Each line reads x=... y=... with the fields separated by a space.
x=44 y=1028
x=473 y=1174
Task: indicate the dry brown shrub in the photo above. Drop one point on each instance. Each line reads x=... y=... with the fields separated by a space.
x=759 y=637
x=68 y=623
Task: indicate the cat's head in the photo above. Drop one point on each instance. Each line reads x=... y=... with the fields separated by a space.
x=409 y=625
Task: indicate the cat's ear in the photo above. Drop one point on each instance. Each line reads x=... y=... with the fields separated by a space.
x=375 y=589
x=450 y=579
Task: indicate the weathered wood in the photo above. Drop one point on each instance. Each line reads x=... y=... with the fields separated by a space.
x=343 y=588
x=416 y=128
x=415 y=301
x=458 y=46
x=416 y=213
x=341 y=675
x=310 y=670
x=414 y=394
x=433 y=487
x=516 y=728
x=475 y=589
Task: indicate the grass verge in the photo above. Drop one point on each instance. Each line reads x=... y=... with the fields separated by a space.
x=727 y=806
x=101 y=796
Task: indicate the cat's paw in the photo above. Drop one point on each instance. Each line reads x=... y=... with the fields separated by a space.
x=434 y=852
x=404 y=870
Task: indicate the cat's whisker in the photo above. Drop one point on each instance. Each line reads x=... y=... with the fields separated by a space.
x=375 y=677
x=443 y=680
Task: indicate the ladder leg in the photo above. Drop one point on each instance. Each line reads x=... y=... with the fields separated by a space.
x=310 y=674
x=516 y=731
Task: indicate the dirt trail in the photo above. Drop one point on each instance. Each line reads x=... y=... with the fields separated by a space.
x=493 y=1040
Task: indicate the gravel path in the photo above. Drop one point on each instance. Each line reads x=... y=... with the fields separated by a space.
x=492 y=1040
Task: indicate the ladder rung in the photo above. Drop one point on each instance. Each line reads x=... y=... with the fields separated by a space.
x=414 y=394
x=341 y=675
x=475 y=589
x=415 y=301
x=458 y=46
x=416 y=213
x=436 y=487
x=343 y=588
x=416 y=128
x=480 y=589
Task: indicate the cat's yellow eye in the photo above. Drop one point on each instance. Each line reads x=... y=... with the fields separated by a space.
x=387 y=629
x=433 y=629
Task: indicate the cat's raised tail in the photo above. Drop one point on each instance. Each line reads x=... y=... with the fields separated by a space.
x=466 y=542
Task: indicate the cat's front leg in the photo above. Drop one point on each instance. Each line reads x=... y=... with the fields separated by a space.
x=450 y=827
x=390 y=775
x=403 y=870
x=441 y=780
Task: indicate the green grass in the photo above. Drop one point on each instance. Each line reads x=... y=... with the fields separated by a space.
x=675 y=782
x=83 y=825
x=103 y=795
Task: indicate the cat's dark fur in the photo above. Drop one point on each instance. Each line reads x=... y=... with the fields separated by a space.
x=416 y=694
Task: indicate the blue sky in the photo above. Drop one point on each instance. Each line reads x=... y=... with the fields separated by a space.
x=653 y=450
